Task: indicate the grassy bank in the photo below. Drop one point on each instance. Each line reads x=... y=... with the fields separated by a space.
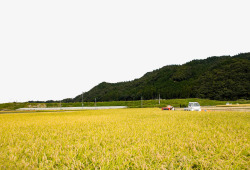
x=130 y=104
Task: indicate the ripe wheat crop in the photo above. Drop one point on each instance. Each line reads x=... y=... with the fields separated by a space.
x=125 y=138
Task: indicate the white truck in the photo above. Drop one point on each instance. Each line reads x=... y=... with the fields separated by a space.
x=193 y=106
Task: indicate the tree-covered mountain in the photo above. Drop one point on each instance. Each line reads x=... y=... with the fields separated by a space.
x=219 y=78
x=216 y=78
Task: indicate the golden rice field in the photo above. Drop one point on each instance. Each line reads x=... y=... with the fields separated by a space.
x=125 y=139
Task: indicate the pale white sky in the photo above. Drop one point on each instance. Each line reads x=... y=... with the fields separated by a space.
x=55 y=49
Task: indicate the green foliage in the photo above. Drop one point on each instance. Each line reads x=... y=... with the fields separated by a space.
x=12 y=106
x=230 y=81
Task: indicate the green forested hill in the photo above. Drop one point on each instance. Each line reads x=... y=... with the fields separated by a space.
x=219 y=78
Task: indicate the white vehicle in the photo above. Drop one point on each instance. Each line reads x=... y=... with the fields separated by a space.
x=193 y=106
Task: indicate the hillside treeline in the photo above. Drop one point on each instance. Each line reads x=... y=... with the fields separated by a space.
x=216 y=78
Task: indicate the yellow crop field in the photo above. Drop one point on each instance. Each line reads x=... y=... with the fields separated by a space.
x=125 y=139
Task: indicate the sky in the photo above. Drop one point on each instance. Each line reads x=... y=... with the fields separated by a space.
x=56 y=49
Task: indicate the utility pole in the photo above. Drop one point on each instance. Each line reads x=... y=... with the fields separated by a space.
x=95 y=102
x=82 y=100
x=60 y=104
x=159 y=99
x=141 y=102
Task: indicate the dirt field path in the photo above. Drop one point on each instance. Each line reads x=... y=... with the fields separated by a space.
x=214 y=108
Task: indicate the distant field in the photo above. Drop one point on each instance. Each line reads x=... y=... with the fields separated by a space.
x=125 y=138
x=131 y=104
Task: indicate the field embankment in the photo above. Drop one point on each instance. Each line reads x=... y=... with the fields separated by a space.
x=125 y=138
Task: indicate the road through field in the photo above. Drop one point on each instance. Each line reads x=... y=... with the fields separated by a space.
x=215 y=108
